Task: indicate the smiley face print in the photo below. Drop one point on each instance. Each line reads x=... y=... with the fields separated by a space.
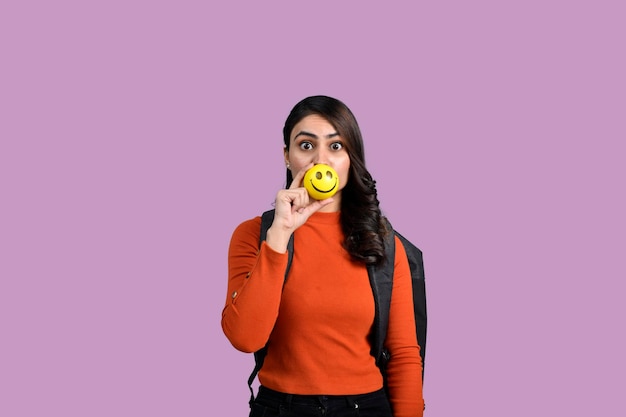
x=321 y=182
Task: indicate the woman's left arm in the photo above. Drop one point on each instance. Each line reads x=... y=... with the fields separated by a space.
x=404 y=370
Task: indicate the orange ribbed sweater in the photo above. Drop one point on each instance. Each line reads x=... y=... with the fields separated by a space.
x=318 y=323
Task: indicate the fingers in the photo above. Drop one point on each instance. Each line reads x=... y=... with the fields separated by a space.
x=289 y=201
x=294 y=207
x=294 y=197
x=299 y=199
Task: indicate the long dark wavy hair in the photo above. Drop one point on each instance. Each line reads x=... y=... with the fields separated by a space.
x=361 y=218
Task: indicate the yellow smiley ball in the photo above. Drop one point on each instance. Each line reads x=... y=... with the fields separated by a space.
x=321 y=182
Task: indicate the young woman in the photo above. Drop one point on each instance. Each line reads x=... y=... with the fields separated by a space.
x=316 y=324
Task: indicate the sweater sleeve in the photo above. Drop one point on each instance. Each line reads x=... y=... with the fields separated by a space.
x=255 y=281
x=404 y=370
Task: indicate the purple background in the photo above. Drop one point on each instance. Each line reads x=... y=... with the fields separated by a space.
x=136 y=135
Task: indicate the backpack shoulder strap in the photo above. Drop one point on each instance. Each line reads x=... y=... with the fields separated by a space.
x=267 y=218
x=416 y=265
x=381 y=281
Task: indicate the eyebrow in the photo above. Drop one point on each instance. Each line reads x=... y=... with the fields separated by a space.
x=314 y=136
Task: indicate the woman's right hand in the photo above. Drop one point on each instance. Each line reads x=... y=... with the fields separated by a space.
x=293 y=207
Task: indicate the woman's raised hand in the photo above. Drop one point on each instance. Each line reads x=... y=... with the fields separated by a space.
x=292 y=209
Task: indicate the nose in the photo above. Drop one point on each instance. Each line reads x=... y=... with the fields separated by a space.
x=321 y=156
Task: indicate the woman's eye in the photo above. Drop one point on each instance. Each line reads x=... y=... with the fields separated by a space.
x=335 y=146
x=306 y=146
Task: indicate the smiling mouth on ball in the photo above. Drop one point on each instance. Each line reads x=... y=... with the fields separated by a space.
x=322 y=191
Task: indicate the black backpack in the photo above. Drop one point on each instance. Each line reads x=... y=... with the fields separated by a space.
x=381 y=280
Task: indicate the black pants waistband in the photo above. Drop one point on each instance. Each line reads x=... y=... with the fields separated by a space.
x=267 y=394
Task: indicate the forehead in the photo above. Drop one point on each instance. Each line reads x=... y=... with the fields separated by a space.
x=313 y=124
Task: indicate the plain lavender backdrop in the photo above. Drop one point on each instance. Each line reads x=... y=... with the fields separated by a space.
x=136 y=135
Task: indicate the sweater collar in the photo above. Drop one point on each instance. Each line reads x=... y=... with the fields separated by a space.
x=325 y=218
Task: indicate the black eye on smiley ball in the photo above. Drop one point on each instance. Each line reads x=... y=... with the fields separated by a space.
x=321 y=181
